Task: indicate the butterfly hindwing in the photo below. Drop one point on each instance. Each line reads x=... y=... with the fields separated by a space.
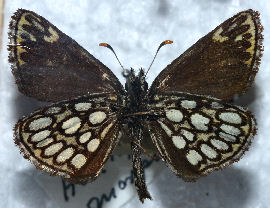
x=49 y=65
x=73 y=138
x=196 y=134
x=221 y=64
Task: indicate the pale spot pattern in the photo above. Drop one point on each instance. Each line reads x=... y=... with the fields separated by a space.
x=179 y=142
x=208 y=151
x=230 y=117
x=216 y=105
x=38 y=26
x=52 y=149
x=218 y=37
x=97 y=117
x=165 y=128
x=219 y=144
x=93 y=145
x=40 y=123
x=227 y=137
x=65 y=155
x=82 y=106
x=106 y=130
x=78 y=161
x=105 y=76
x=230 y=129
x=45 y=142
x=40 y=136
x=53 y=110
x=85 y=137
x=193 y=157
x=113 y=97
x=187 y=134
x=200 y=122
x=232 y=26
x=174 y=115
x=71 y=125
x=251 y=31
x=188 y=104
x=53 y=36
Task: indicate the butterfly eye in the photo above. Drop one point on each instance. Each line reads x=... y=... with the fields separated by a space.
x=126 y=73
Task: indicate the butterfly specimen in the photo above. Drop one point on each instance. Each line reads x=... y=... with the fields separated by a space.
x=184 y=112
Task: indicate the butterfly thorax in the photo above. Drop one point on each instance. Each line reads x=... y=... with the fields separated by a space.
x=136 y=88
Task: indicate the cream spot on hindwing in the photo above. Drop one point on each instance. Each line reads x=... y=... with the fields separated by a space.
x=165 y=128
x=216 y=105
x=93 y=145
x=188 y=104
x=40 y=136
x=227 y=137
x=174 y=115
x=78 y=161
x=97 y=117
x=208 y=151
x=40 y=123
x=71 y=125
x=105 y=76
x=230 y=129
x=200 y=122
x=230 y=117
x=82 y=106
x=52 y=149
x=44 y=142
x=219 y=144
x=113 y=97
x=193 y=157
x=187 y=134
x=106 y=130
x=65 y=155
x=53 y=110
x=85 y=137
x=179 y=142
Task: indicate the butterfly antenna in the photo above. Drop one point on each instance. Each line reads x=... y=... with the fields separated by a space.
x=110 y=47
x=161 y=45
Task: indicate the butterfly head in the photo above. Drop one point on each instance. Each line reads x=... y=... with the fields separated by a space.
x=136 y=86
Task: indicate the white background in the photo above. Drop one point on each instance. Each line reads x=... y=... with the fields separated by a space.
x=135 y=29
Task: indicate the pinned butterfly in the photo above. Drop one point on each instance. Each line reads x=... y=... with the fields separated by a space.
x=184 y=112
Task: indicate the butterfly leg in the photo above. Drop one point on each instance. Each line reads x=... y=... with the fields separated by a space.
x=138 y=171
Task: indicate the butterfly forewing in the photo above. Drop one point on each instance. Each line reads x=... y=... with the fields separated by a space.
x=49 y=65
x=72 y=138
x=221 y=64
x=196 y=134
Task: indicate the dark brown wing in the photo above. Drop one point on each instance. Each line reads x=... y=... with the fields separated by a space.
x=221 y=64
x=49 y=65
